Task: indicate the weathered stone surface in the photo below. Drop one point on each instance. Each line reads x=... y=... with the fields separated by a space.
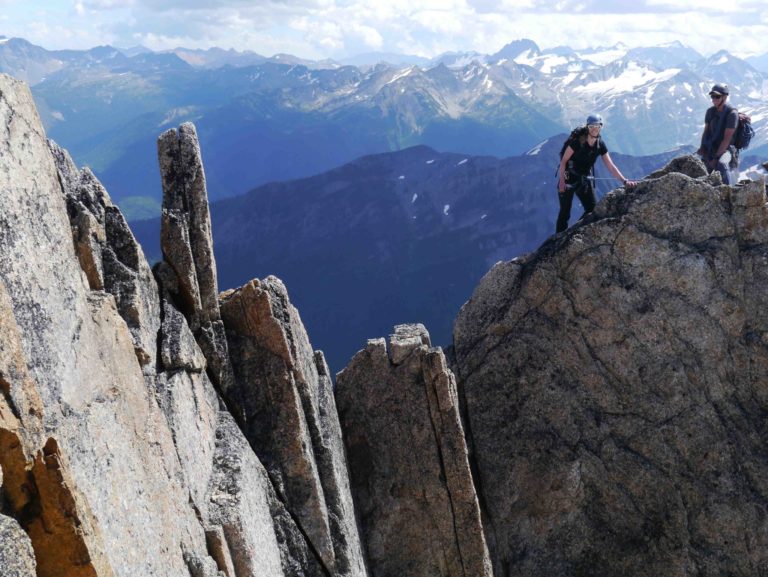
x=185 y=196
x=178 y=347
x=408 y=460
x=16 y=556
x=285 y=394
x=187 y=244
x=615 y=386
x=688 y=164
x=116 y=460
x=261 y=537
x=334 y=476
x=191 y=409
x=201 y=566
x=21 y=409
x=124 y=507
x=109 y=255
x=219 y=550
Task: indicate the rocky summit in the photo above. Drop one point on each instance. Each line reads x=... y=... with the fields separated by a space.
x=616 y=386
x=601 y=412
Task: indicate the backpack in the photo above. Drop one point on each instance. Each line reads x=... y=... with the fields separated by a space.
x=744 y=132
x=577 y=134
x=741 y=139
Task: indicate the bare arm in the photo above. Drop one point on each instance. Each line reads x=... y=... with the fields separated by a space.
x=615 y=171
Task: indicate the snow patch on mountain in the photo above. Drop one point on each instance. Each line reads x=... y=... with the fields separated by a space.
x=402 y=74
x=604 y=56
x=545 y=63
x=634 y=76
x=536 y=149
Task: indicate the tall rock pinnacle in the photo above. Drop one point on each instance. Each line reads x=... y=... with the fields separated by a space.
x=408 y=460
x=187 y=244
x=291 y=419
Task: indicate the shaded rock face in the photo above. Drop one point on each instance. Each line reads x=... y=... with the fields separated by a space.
x=284 y=392
x=408 y=460
x=615 y=386
x=109 y=256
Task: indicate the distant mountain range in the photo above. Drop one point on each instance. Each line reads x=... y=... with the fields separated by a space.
x=270 y=119
x=390 y=238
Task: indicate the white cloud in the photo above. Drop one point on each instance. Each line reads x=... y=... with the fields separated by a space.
x=338 y=28
x=370 y=36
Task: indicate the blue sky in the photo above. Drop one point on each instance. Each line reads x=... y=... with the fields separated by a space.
x=339 y=28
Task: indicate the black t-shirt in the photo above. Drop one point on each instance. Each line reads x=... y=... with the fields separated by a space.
x=713 y=137
x=584 y=156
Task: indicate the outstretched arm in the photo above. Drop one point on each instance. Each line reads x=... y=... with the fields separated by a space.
x=615 y=171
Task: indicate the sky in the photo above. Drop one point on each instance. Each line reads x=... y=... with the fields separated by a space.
x=317 y=29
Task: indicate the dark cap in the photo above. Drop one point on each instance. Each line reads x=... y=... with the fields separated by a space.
x=719 y=89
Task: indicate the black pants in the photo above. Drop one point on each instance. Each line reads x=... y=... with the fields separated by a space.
x=586 y=193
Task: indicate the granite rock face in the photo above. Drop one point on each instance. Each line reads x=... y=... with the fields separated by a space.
x=16 y=556
x=409 y=468
x=90 y=437
x=616 y=383
x=109 y=256
x=612 y=386
x=285 y=394
x=117 y=453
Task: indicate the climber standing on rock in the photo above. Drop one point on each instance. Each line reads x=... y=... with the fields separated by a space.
x=577 y=161
x=720 y=124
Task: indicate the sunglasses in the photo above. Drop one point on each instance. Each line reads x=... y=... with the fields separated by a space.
x=715 y=96
x=594 y=125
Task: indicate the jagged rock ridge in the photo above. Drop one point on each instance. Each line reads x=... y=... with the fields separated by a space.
x=612 y=386
x=119 y=456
